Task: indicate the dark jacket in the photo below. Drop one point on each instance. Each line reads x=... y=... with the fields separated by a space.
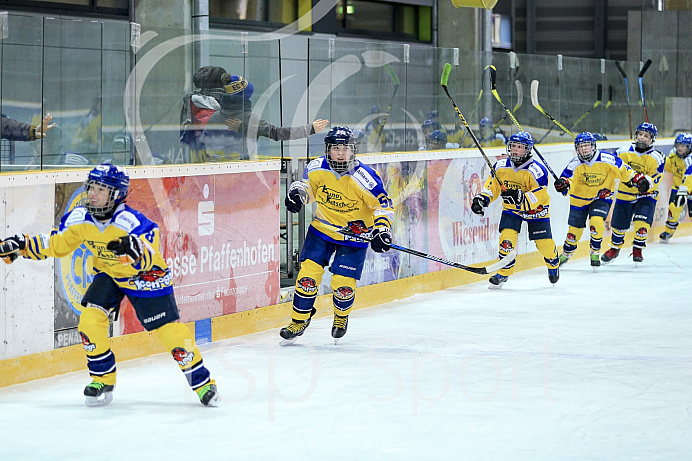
x=17 y=131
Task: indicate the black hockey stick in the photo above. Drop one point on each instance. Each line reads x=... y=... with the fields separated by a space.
x=493 y=87
x=443 y=81
x=534 y=101
x=627 y=92
x=599 y=100
x=363 y=234
x=396 y=82
x=641 y=87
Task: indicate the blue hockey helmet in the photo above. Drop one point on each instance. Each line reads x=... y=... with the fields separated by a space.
x=429 y=126
x=374 y=109
x=114 y=180
x=585 y=145
x=340 y=136
x=437 y=140
x=519 y=147
x=485 y=122
x=683 y=140
x=645 y=127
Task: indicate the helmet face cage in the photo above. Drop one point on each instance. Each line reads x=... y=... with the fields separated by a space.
x=112 y=178
x=519 y=147
x=581 y=142
x=340 y=136
x=683 y=140
x=646 y=128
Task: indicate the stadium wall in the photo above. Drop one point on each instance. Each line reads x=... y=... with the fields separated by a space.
x=220 y=235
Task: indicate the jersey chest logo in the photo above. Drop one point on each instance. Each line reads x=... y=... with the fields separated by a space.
x=335 y=199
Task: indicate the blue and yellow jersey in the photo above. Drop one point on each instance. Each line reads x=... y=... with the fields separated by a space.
x=147 y=277
x=650 y=163
x=680 y=168
x=588 y=178
x=532 y=178
x=356 y=195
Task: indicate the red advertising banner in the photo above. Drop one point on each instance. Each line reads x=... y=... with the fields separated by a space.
x=219 y=236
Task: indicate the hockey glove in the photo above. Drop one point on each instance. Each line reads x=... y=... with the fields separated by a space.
x=642 y=182
x=11 y=247
x=681 y=196
x=127 y=249
x=381 y=240
x=604 y=193
x=512 y=196
x=562 y=185
x=297 y=195
x=479 y=202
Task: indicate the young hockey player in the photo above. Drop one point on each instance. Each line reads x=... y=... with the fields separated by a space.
x=126 y=262
x=679 y=163
x=636 y=201
x=347 y=193
x=591 y=177
x=522 y=184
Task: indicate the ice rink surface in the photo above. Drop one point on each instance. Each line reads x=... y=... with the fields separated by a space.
x=598 y=367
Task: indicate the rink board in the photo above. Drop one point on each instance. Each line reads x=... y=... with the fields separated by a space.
x=29 y=344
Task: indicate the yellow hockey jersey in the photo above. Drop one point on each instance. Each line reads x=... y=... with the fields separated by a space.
x=680 y=169
x=532 y=178
x=587 y=179
x=357 y=195
x=147 y=277
x=649 y=163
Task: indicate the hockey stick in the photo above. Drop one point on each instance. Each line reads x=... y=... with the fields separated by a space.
x=443 y=81
x=478 y=101
x=610 y=97
x=599 y=100
x=520 y=100
x=627 y=92
x=641 y=87
x=363 y=234
x=534 y=101
x=396 y=82
x=493 y=87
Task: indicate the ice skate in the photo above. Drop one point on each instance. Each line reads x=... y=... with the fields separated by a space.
x=637 y=256
x=564 y=258
x=294 y=329
x=98 y=394
x=554 y=275
x=209 y=395
x=595 y=261
x=665 y=237
x=609 y=255
x=496 y=281
x=339 y=327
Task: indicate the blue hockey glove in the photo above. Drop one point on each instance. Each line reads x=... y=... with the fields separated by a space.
x=381 y=240
x=512 y=196
x=297 y=195
x=127 y=249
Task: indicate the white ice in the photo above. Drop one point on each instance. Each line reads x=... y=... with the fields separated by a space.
x=597 y=367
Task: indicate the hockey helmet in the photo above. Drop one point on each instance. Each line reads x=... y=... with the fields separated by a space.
x=114 y=180
x=340 y=136
x=519 y=147
x=683 y=140
x=437 y=140
x=585 y=145
x=647 y=128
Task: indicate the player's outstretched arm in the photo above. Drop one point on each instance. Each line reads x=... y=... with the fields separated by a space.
x=12 y=247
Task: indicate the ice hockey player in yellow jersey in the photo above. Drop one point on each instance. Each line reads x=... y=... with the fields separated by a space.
x=590 y=180
x=347 y=193
x=679 y=164
x=522 y=185
x=636 y=201
x=127 y=262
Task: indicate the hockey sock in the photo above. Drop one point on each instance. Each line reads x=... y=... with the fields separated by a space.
x=307 y=285
x=344 y=294
x=547 y=248
x=617 y=238
x=596 y=228
x=641 y=231
x=508 y=241
x=572 y=240
x=177 y=338
x=93 y=328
